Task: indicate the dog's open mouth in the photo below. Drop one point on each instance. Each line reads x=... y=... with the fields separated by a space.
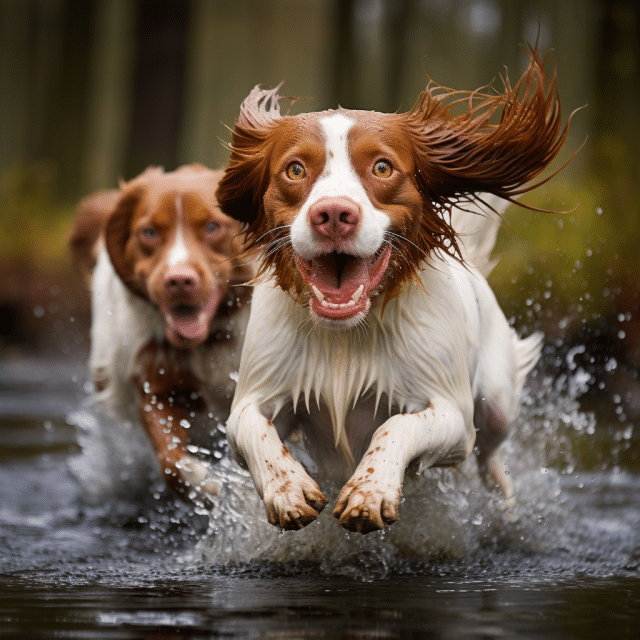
x=188 y=324
x=340 y=283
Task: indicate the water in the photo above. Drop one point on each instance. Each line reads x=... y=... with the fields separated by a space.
x=107 y=553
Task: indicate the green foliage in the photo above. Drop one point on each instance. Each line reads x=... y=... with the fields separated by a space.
x=35 y=223
x=557 y=264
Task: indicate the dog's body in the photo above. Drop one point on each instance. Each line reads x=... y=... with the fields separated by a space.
x=168 y=318
x=375 y=330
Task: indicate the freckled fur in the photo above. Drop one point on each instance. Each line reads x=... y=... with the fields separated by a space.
x=433 y=343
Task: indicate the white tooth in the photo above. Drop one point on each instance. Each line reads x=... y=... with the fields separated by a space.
x=325 y=303
x=351 y=303
x=317 y=293
x=202 y=321
x=357 y=293
x=170 y=321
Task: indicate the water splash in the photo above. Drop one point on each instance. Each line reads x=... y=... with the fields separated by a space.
x=117 y=459
x=445 y=513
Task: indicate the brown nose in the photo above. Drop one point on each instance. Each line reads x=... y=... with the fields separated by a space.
x=334 y=217
x=181 y=279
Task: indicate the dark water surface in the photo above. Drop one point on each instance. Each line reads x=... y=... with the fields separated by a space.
x=133 y=564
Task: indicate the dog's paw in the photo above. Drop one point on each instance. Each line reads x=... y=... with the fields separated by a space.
x=293 y=502
x=195 y=475
x=364 y=506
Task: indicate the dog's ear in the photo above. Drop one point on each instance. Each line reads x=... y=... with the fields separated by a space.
x=241 y=189
x=91 y=215
x=457 y=156
x=117 y=233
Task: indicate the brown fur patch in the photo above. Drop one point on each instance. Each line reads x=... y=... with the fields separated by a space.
x=445 y=158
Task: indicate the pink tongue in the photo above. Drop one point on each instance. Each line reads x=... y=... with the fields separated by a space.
x=354 y=274
x=193 y=328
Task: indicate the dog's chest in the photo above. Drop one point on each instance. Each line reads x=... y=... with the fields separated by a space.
x=361 y=421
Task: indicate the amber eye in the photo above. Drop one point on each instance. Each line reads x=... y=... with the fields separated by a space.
x=381 y=169
x=295 y=171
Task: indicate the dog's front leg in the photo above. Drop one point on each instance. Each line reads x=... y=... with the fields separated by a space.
x=292 y=499
x=437 y=435
x=168 y=402
x=164 y=422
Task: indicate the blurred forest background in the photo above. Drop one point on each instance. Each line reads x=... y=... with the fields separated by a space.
x=94 y=90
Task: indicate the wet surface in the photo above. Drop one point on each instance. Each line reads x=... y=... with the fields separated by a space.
x=130 y=563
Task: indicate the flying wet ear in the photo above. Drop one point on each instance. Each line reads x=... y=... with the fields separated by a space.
x=457 y=156
x=246 y=178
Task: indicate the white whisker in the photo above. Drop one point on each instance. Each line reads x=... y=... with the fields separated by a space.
x=403 y=239
x=275 y=246
x=284 y=226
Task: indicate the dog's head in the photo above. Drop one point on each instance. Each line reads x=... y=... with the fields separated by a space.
x=169 y=243
x=348 y=204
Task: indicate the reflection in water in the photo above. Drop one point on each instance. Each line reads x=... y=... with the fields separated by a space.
x=132 y=564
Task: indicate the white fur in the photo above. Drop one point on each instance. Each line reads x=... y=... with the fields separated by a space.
x=178 y=252
x=339 y=179
x=433 y=352
x=122 y=323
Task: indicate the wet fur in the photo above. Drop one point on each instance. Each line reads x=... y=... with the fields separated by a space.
x=137 y=373
x=434 y=359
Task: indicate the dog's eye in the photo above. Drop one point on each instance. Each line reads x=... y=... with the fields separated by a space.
x=212 y=228
x=381 y=169
x=149 y=235
x=295 y=171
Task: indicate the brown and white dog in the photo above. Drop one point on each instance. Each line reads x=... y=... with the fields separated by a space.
x=168 y=318
x=374 y=329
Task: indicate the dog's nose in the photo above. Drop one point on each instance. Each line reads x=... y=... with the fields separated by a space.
x=181 y=279
x=334 y=217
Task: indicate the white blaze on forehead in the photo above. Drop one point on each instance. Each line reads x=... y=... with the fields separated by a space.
x=339 y=175
x=178 y=251
x=339 y=179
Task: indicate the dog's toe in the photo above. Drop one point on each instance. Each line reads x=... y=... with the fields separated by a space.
x=293 y=507
x=364 y=512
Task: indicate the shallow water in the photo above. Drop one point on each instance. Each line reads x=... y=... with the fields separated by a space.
x=130 y=563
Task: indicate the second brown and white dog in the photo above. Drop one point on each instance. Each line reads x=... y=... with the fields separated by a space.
x=374 y=329
x=168 y=314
